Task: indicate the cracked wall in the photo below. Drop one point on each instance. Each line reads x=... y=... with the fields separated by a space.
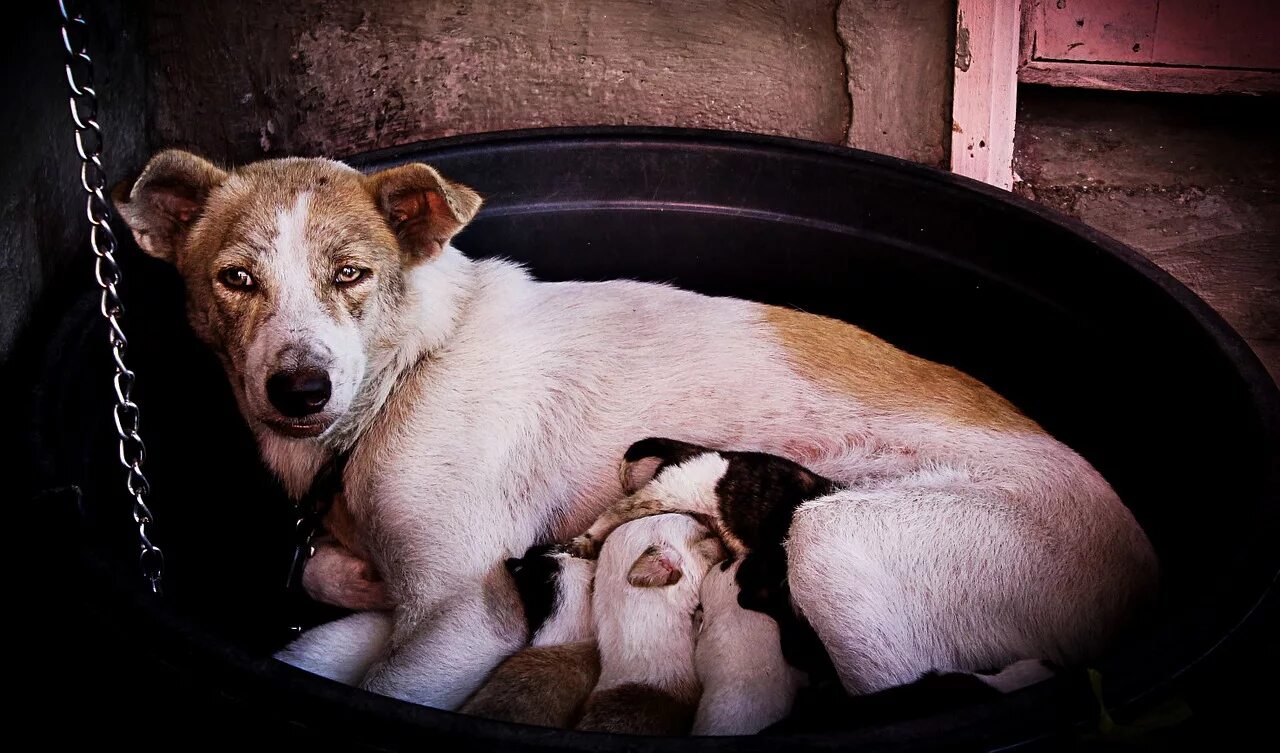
x=244 y=80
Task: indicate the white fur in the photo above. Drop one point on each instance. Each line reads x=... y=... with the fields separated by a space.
x=746 y=683
x=570 y=619
x=341 y=650
x=646 y=634
x=955 y=547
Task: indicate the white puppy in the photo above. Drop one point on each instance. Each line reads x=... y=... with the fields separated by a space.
x=647 y=583
x=746 y=683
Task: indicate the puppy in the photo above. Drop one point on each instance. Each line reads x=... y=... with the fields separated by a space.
x=647 y=584
x=748 y=499
x=547 y=682
x=746 y=683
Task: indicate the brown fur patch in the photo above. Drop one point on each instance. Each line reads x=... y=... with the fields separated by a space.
x=543 y=685
x=502 y=604
x=844 y=357
x=635 y=709
x=339 y=523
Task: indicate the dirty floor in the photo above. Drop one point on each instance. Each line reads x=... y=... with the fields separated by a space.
x=1191 y=181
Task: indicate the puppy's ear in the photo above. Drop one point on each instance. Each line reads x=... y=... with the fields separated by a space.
x=164 y=202
x=422 y=208
x=660 y=565
x=666 y=451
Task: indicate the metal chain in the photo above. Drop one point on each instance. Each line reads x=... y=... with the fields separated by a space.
x=93 y=179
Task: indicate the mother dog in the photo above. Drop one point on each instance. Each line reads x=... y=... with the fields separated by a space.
x=489 y=411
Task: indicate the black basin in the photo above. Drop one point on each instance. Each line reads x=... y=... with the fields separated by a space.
x=1103 y=349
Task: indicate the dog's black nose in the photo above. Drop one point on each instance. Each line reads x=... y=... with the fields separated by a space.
x=299 y=393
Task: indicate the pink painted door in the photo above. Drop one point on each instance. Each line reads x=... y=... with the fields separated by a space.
x=1202 y=33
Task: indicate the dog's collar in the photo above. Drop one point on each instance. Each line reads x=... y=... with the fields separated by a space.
x=311 y=509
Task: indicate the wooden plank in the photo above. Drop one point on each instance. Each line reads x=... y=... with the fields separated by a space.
x=1147 y=78
x=1229 y=34
x=985 y=94
x=1121 y=31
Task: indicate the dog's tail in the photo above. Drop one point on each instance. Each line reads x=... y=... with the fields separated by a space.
x=667 y=451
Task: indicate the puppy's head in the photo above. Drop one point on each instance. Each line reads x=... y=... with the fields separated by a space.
x=555 y=590
x=679 y=547
x=300 y=273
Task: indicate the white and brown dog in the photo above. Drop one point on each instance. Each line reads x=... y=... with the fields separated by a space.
x=487 y=412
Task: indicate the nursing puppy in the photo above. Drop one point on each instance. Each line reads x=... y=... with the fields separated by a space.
x=748 y=499
x=647 y=585
x=484 y=411
x=747 y=684
x=547 y=682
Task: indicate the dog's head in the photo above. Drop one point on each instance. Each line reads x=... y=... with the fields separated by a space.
x=300 y=273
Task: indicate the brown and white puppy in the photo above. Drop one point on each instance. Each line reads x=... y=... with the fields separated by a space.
x=490 y=409
x=647 y=585
x=547 y=682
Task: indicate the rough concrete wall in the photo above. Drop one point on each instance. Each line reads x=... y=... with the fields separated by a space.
x=1193 y=182
x=899 y=57
x=41 y=204
x=242 y=80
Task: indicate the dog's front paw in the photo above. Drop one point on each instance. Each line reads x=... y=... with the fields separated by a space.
x=335 y=576
x=583 y=547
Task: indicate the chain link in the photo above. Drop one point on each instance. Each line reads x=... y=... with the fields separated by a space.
x=93 y=179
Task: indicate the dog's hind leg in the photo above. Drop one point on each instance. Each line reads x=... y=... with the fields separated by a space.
x=908 y=578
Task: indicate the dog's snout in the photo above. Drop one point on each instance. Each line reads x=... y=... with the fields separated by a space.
x=300 y=392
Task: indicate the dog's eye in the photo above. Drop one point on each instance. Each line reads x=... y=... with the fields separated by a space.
x=348 y=274
x=236 y=277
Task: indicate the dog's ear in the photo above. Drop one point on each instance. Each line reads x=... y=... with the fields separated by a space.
x=423 y=208
x=163 y=203
x=660 y=565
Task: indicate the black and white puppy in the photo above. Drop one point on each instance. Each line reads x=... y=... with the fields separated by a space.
x=748 y=499
x=547 y=682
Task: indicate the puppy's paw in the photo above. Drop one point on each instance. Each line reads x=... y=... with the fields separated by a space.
x=583 y=547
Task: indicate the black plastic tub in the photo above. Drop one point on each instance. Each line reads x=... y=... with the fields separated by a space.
x=1106 y=351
